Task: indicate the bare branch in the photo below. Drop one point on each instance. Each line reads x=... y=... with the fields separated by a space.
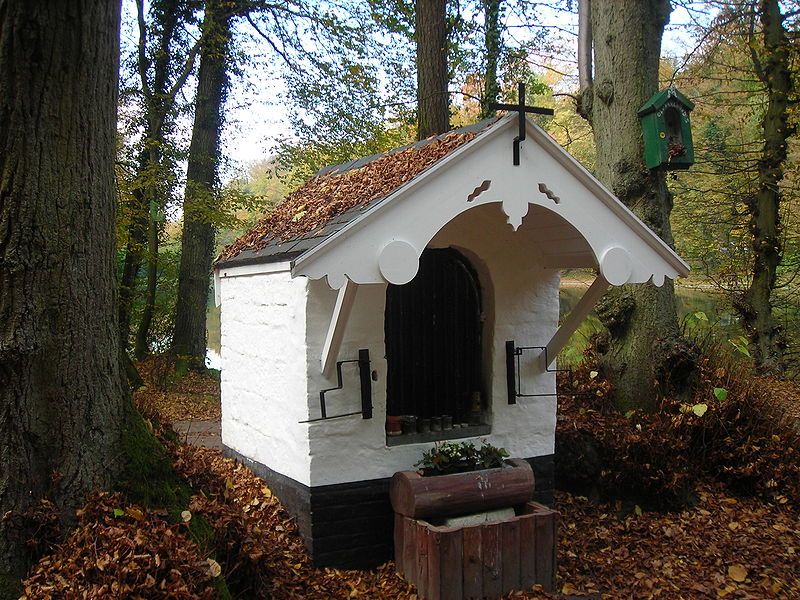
x=144 y=64
x=584 y=44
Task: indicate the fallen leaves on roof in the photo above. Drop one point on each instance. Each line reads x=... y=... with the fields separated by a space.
x=327 y=196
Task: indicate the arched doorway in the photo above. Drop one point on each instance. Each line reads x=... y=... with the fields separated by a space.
x=433 y=338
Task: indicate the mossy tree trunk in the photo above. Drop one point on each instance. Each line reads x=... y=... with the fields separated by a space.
x=61 y=388
x=755 y=306
x=645 y=352
x=433 y=101
x=200 y=203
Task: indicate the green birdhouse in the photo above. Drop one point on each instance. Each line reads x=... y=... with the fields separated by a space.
x=667 y=131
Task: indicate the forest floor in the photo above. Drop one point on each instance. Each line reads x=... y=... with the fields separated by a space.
x=723 y=547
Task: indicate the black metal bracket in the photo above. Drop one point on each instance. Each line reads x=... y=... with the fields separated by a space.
x=513 y=379
x=366 y=389
x=521 y=109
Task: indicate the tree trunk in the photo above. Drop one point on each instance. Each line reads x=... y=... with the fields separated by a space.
x=197 y=241
x=492 y=43
x=767 y=343
x=646 y=352
x=142 y=344
x=149 y=187
x=134 y=252
x=61 y=389
x=433 y=102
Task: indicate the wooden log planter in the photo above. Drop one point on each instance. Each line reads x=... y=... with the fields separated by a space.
x=485 y=560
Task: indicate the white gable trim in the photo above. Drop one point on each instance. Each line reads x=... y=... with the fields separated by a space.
x=609 y=199
x=625 y=250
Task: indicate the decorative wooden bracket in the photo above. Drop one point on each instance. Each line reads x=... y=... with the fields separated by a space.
x=574 y=319
x=341 y=313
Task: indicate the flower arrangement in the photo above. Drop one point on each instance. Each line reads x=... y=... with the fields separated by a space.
x=459 y=457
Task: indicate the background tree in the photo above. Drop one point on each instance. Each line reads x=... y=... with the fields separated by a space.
x=61 y=393
x=755 y=306
x=645 y=350
x=163 y=60
x=720 y=196
x=433 y=100
x=197 y=241
x=492 y=36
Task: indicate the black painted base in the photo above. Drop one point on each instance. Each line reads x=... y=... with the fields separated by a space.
x=350 y=525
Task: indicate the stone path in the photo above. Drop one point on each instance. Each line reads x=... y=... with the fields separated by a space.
x=199 y=433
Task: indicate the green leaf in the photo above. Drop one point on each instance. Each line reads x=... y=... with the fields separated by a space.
x=740 y=344
x=700 y=316
x=118 y=512
x=700 y=409
x=629 y=414
x=638 y=510
x=721 y=394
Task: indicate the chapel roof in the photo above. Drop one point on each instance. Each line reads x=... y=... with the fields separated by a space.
x=337 y=195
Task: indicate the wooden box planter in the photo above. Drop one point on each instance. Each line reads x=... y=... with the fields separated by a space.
x=457 y=494
x=478 y=561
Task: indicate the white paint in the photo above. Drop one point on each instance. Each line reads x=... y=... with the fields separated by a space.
x=575 y=318
x=341 y=313
x=398 y=262
x=616 y=266
x=257 y=269
x=590 y=216
x=264 y=370
x=520 y=301
x=276 y=330
x=217 y=292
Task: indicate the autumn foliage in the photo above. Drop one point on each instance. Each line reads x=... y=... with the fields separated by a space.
x=739 y=429
x=717 y=542
x=123 y=551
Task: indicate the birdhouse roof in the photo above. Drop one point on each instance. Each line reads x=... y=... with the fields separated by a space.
x=661 y=98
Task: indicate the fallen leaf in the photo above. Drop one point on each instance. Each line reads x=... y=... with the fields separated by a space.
x=737 y=572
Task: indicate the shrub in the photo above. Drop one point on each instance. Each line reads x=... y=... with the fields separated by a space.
x=459 y=457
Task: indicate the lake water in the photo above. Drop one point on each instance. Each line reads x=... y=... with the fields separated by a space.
x=690 y=302
x=692 y=305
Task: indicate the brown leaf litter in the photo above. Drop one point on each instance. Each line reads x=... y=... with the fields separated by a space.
x=723 y=547
x=192 y=397
x=122 y=551
x=327 y=196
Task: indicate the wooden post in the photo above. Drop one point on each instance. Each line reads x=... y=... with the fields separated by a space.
x=575 y=318
x=341 y=313
x=492 y=562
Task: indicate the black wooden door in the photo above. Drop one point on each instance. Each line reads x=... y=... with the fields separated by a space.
x=433 y=338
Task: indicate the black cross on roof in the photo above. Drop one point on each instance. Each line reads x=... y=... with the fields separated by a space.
x=521 y=109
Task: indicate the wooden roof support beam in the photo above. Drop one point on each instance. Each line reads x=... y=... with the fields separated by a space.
x=341 y=312
x=575 y=318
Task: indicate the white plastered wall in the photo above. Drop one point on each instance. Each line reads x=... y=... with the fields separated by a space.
x=264 y=377
x=525 y=309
